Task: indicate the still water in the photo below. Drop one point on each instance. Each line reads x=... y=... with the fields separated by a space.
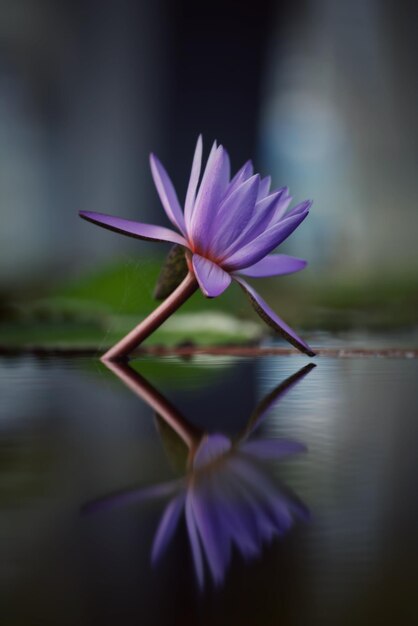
x=209 y=490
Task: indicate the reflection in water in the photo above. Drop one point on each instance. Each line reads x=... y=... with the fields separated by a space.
x=228 y=495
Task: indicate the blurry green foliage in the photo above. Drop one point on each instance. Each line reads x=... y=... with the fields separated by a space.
x=370 y=302
x=95 y=310
x=168 y=373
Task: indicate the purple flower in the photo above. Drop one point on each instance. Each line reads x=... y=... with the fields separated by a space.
x=229 y=227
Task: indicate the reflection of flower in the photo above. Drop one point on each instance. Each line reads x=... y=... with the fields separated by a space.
x=229 y=228
x=228 y=495
x=229 y=499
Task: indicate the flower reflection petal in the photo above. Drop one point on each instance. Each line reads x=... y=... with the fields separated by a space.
x=167 y=526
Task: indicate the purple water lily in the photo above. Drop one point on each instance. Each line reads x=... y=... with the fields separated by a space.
x=228 y=229
x=228 y=496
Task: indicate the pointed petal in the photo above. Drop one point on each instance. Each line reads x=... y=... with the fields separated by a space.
x=263 y=244
x=194 y=541
x=264 y=187
x=273 y=320
x=246 y=171
x=209 y=523
x=130 y=496
x=211 y=191
x=211 y=278
x=240 y=177
x=193 y=182
x=272 y=501
x=261 y=219
x=274 y=265
x=130 y=228
x=167 y=193
x=234 y=214
x=238 y=516
x=241 y=533
x=247 y=501
x=167 y=527
x=281 y=206
x=260 y=483
x=300 y=208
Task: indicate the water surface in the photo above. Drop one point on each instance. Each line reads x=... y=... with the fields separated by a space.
x=310 y=474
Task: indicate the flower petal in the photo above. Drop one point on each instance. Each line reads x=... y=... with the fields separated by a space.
x=211 y=278
x=274 y=265
x=246 y=501
x=167 y=193
x=211 y=191
x=238 y=512
x=237 y=519
x=273 y=320
x=208 y=517
x=264 y=243
x=131 y=496
x=194 y=540
x=280 y=209
x=300 y=208
x=264 y=187
x=273 y=502
x=243 y=173
x=167 y=526
x=261 y=219
x=193 y=182
x=130 y=228
x=234 y=214
x=240 y=177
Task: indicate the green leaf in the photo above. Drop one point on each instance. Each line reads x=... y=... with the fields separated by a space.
x=173 y=272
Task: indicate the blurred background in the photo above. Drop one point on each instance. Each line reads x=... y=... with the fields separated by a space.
x=321 y=94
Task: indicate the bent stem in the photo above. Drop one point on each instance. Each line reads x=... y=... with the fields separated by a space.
x=124 y=347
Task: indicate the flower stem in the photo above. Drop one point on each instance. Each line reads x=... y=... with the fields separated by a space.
x=124 y=347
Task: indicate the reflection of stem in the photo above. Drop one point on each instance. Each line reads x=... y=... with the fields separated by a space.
x=153 y=321
x=191 y=435
x=142 y=388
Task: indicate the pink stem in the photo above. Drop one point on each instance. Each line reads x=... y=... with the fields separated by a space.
x=154 y=320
